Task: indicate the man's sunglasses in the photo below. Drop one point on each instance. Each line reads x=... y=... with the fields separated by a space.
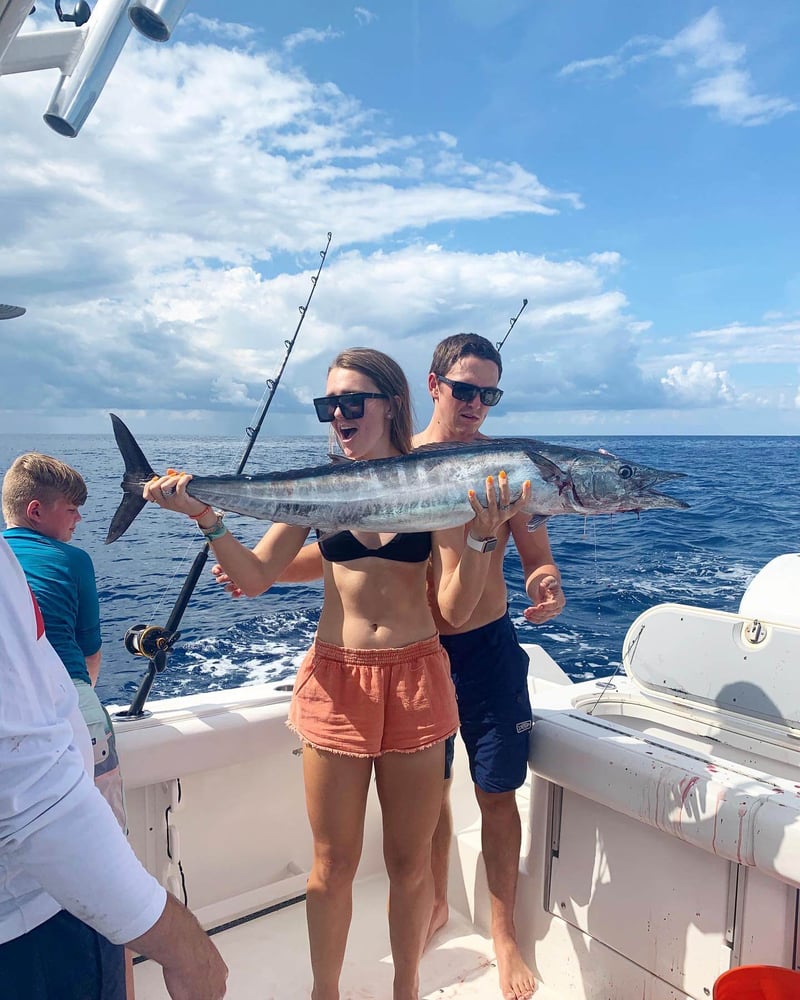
x=351 y=405
x=464 y=392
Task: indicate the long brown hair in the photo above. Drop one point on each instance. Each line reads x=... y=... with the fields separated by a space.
x=389 y=378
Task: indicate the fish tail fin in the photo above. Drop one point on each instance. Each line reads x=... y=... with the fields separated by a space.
x=137 y=473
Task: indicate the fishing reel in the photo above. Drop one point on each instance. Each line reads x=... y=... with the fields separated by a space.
x=150 y=641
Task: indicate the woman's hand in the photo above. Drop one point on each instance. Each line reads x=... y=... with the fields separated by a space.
x=170 y=493
x=499 y=507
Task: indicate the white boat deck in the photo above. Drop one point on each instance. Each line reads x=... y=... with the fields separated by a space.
x=268 y=957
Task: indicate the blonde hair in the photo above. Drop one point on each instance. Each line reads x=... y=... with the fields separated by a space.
x=34 y=476
x=389 y=378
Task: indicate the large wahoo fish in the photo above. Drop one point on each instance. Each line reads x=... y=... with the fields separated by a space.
x=423 y=491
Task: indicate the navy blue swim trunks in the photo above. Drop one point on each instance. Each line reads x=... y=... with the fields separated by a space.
x=490 y=673
x=62 y=959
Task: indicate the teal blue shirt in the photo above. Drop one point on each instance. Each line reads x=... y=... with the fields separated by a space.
x=62 y=577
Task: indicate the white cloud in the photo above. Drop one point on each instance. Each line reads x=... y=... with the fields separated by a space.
x=265 y=161
x=611 y=66
x=704 y=42
x=364 y=16
x=216 y=29
x=776 y=342
x=196 y=336
x=729 y=92
x=163 y=255
x=698 y=385
x=307 y=35
x=226 y=391
x=701 y=55
x=146 y=249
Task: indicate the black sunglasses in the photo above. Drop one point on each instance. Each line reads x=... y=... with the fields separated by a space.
x=351 y=405
x=464 y=392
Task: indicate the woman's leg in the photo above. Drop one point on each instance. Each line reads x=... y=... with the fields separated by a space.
x=336 y=796
x=410 y=787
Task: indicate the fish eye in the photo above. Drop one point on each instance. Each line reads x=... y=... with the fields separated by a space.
x=625 y=472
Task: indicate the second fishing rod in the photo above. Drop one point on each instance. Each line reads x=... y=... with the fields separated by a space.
x=154 y=642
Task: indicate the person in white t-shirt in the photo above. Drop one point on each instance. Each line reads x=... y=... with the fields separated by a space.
x=66 y=910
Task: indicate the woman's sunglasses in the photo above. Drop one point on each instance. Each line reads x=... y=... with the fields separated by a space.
x=464 y=392
x=350 y=404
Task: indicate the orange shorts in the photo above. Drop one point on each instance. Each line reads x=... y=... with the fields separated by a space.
x=367 y=702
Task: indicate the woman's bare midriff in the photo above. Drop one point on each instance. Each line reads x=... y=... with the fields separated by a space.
x=375 y=603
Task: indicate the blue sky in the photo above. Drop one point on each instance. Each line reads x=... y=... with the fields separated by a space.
x=628 y=168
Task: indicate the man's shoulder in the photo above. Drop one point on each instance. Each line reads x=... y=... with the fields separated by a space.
x=427 y=438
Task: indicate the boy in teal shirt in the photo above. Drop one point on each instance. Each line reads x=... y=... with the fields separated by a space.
x=41 y=497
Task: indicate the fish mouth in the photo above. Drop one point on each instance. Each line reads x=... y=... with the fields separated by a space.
x=655 y=499
x=659 y=476
x=652 y=499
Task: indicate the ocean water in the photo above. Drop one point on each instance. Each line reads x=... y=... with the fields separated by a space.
x=745 y=510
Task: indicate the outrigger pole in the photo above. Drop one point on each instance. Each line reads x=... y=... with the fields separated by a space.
x=512 y=322
x=155 y=641
x=11 y=312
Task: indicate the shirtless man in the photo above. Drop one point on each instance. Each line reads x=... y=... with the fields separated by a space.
x=488 y=666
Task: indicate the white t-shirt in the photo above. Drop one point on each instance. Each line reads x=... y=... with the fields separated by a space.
x=60 y=845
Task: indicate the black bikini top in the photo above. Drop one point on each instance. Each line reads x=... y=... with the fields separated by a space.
x=343 y=546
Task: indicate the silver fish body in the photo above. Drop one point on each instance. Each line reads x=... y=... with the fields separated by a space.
x=423 y=491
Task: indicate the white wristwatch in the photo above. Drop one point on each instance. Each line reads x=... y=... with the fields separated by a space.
x=481 y=544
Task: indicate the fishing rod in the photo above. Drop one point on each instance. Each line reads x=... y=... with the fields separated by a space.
x=512 y=323
x=154 y=642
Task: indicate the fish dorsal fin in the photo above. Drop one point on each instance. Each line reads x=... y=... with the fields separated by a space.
x=339 y=459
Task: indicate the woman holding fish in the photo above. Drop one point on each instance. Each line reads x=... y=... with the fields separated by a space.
x=374 y=691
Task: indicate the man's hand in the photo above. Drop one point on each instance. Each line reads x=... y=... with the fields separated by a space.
x=548 y=600
x=193 y=968
x=222 y=577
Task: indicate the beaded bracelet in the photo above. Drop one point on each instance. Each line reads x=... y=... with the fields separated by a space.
x=202 y=513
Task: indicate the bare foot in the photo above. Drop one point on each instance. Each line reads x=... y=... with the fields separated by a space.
x=439 y=918
x=516 y=979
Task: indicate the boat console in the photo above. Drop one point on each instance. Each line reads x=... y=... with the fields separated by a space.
x=673 y=798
